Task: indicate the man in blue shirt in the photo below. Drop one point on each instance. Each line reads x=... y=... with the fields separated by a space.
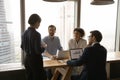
x=53 y=44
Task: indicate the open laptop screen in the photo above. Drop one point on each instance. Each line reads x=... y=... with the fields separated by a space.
x=63 y=54
x=76 y=53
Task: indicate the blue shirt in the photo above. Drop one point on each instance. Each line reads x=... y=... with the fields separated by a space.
x=53 y=44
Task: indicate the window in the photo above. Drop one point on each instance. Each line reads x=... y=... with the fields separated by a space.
x=100 y=17
x=117 y=42
x=10 y=29
x=60 y=14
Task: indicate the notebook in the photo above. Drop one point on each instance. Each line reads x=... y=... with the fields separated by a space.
x=63 y=54
x=76 y=53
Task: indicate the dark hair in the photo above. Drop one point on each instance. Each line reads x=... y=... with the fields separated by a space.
x=81 y=31
x=97 y=35
x=52 y=26
x=33 y=19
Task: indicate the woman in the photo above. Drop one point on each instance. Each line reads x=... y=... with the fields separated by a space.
x=77 y=42
x=31 y=45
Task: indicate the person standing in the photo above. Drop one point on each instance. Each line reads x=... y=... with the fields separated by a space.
x=31 y=46
x=93 y=59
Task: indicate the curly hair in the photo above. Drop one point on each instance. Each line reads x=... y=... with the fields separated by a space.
x=81 y=31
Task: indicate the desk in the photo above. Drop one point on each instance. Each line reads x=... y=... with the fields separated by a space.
x=66 y=70
x=112 y=57
x=54 y=64
x=61 y=68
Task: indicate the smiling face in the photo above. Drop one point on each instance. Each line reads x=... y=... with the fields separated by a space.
x=76 y=35
x=51 y=31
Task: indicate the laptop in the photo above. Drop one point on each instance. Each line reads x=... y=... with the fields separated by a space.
x=76 y=53
x=63 y=54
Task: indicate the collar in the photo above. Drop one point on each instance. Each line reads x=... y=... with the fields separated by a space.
x=31 y=28
x=51 y=37
x=94 y=43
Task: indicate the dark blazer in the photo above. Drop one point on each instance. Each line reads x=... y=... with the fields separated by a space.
x=33 y=62
x=94 y=62
x=31 y=42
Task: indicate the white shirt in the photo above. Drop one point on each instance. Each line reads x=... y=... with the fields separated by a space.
x=82 y=43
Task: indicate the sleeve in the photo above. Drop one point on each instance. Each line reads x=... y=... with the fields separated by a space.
x=69 y=44
x=59 y=45
x=22 y=43
x=84 y=44
x=82 y=60
x=38 y=48
x=44 y=39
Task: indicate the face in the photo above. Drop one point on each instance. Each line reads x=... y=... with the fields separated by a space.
x=37 y=24
x=91 y=39
x=76 y=35
x=51 y=31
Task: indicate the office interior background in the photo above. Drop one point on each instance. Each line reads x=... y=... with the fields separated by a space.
x=65 y=16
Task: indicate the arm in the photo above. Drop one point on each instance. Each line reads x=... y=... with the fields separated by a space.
x=82 y=60
x=69 y=44
x=50 y=56
x=22 y=43
x=85 y=44
x=37 y=43
x=59 y=45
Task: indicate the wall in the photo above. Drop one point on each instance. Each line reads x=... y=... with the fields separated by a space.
x=20 y=74
x=13 y=75
x=115 y=70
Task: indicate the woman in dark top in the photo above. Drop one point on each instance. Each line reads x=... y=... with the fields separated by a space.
x=31 y=46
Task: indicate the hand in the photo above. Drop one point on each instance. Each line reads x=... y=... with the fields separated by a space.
x=43 y=44
x=53 y=57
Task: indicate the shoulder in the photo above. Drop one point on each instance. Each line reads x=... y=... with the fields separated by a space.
x=25 y=32
x=71 y=40
x=103 y=48
x=56 y=37
x=37 y=33
x=88 y=48
x=83 y=40
x=97 y=47
x=46 y=37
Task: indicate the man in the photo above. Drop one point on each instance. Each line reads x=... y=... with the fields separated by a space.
x=93 y=59
x=53 y=44
x=31 y=46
